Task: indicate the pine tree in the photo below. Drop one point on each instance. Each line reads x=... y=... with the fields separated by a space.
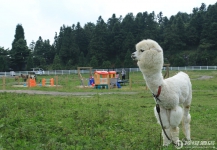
x=19 y=51
x=43 y=63
x=30 y=64
x=19 y=34
x=81 y=39
x=65 y=53
x=38 y=48
x=128 y=45
x=128 y=62
x=118 y=63
x=94 y=62
x=106 y=64
x=56 y=63
x=32 y=46
x=4 y=59
x=82 y=61
x=98 y=46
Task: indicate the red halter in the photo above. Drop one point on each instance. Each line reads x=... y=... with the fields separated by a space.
x=158 y=94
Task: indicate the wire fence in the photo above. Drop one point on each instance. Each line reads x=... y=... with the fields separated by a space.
x=63 y=72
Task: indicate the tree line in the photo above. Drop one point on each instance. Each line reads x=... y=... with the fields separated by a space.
x=187 y=39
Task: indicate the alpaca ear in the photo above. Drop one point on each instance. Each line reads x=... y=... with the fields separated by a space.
x=156 y=49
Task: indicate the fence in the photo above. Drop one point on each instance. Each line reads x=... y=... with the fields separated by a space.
x=61 y=72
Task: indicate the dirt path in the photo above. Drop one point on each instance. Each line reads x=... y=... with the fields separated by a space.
x=64 y=93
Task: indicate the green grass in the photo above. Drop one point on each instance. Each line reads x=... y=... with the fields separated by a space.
x=114 y=121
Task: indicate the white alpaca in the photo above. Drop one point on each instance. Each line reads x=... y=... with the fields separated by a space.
x=175 y=90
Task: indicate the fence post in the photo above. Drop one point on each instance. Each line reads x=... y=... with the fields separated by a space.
x=3 y=83
x=56 y=78
x=28 y=82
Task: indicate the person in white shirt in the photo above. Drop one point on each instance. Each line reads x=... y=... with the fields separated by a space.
x=123 y=73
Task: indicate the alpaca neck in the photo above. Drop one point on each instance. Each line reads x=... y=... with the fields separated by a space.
x=153 y=80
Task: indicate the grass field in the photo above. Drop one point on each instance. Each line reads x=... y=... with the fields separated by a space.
x=112 y=121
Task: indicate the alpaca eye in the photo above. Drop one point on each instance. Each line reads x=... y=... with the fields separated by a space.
x=141 y=50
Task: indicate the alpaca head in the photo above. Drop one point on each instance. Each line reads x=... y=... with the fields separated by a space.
x=148 y=54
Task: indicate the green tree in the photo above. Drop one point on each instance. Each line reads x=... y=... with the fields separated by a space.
x=115 y=37
x=98 y=46
x=32 y=46
x=38 y=48
x=94 y=62
x=56 y=63
x=152 y=27
x=106 y=64
x=36 y=61
x=128 y=24
x=118 y=63
x=29 y=65
x=4 y=59
x=43 y=63
x=128 y=62
x=141 y=24
x=179 y=61
x=48 y=52
x=69 y=64
x=179 y=31
x=128 y=45
x=81 y=39
x=82 y=61
x=65 y=52
x=19 y=52
x=19 y=34
x=208 y=35
x=180 y=34
x=89 y=30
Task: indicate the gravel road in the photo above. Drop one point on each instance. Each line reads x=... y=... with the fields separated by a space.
x=65 y=93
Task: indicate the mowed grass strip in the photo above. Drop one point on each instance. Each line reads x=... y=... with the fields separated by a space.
x=114 y=121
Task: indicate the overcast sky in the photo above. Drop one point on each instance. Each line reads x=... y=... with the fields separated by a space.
x=45 y=17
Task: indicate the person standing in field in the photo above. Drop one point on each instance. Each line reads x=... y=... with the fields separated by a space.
x=123 y=73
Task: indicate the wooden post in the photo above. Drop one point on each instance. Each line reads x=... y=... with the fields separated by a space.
x=67 y=78
x=109 y=83
x=56 y=78
x=28 y=82
x=3 y=83
x=168 y=71
x=167 y=75
x=82 y=79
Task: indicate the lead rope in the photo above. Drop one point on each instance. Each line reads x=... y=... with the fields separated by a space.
x=158 y=111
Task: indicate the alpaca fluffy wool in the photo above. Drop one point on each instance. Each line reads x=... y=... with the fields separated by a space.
x=176 y=90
